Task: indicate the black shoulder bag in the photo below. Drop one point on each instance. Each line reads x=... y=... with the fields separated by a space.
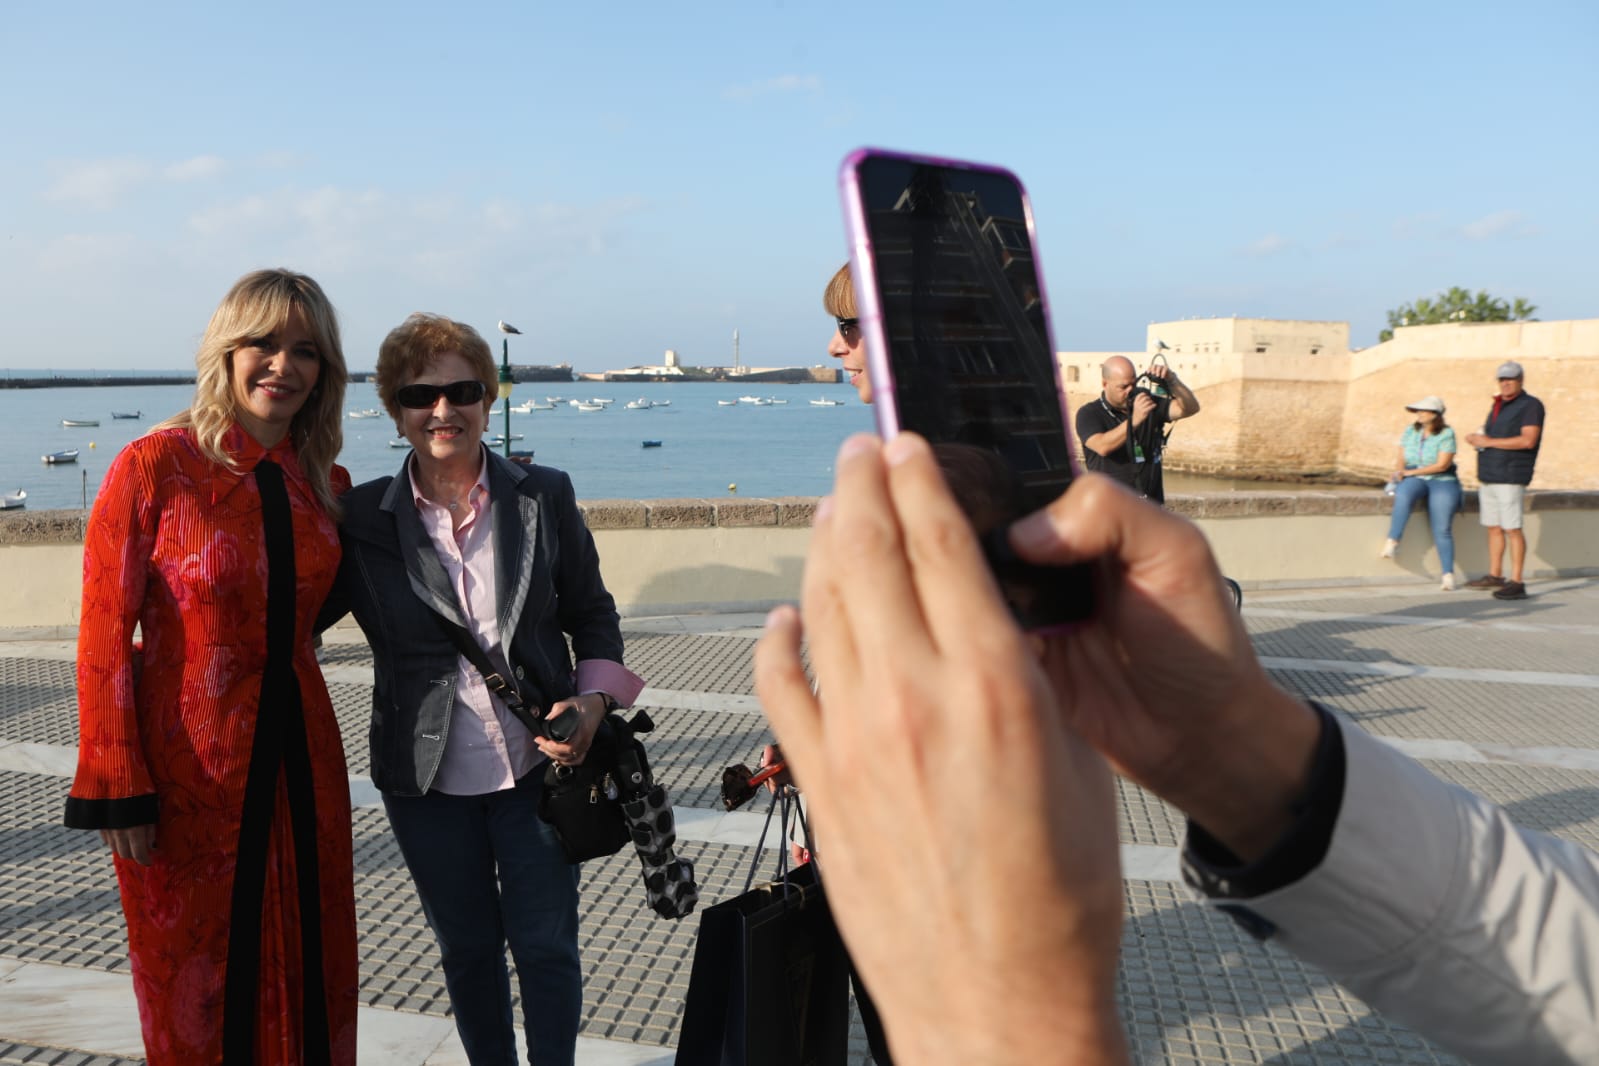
x=606 y=800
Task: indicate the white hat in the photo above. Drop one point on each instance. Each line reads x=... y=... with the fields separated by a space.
x=1427 y=403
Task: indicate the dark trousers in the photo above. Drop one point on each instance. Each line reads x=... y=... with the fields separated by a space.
x=489 y=873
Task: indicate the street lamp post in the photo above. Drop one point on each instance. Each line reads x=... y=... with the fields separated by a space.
x=506 y=380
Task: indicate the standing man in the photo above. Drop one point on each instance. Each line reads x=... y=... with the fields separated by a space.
x=1507 y=450
x=1123 y=432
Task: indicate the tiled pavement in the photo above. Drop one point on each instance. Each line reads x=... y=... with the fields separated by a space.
x=1501 y=698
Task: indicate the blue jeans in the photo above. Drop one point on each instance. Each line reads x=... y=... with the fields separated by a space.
x=1443 y=500
x=489 y=871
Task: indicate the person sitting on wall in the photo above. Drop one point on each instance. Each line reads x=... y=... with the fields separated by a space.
x=1123 y=431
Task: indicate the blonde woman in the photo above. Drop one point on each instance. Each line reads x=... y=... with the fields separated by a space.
x=209 y=758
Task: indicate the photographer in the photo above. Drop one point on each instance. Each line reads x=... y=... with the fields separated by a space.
x=1124 y=431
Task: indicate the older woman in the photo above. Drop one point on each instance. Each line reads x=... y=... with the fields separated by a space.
x=1426 y=469
x=461 y=537
x=211 y=763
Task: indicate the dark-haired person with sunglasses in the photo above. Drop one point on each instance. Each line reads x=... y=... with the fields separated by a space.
x=463 y=538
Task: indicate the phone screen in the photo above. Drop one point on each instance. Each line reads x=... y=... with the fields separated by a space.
x=959 y=350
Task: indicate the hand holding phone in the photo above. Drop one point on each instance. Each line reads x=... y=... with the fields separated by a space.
x=958 y=349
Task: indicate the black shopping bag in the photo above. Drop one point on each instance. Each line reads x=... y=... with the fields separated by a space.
x=770 y=982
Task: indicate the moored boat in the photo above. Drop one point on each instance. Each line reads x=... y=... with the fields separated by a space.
x=68 y=456
x=640 y=404
x=727 y=403
x=368 y=412
x=79 y=423
x=13 y=500
x=588 y=406
x=399 y=442
x=825 y=402
x=652 y=444
x=127 y=414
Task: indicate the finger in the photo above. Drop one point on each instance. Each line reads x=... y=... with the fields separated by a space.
x=960 y=601
x=867 y=561
x=1097 y=518
x=832 y=644
x=785 y=694
x=139 y=841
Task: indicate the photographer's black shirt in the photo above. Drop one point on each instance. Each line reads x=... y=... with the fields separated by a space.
x=1097 y=417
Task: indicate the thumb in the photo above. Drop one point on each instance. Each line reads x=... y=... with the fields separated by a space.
x=1096 y=518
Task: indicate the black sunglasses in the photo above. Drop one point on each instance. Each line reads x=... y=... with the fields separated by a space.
x=460 y=394
x=847 y=324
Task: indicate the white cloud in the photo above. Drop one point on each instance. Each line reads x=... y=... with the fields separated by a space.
x=200 y=168
x=1270 y=244
x=1499 y=224
x=787 y=83
x=98 y=184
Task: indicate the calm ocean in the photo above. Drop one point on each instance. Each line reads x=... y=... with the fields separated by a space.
x=785 y=449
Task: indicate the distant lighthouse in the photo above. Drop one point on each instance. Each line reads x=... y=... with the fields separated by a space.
x=735 y=351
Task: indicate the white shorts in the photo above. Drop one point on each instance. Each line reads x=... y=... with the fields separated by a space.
x=1500 y=505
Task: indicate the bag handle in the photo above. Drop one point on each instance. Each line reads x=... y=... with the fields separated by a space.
x=498 y=681
x=792 y=810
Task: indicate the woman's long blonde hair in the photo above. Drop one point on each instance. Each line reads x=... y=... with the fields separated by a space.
x=258 y=304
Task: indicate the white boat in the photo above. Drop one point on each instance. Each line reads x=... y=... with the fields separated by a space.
x=661 y=403
x=544 y=407
x=588 y=406
x=368 y=412
x=68 y=456
x=554 y=399
x=496 y=412
x=399 y=442
x=749 y=399
x=601 y=400
x=640 y=404
x=526 y=408
x=79 y=423
x=12 y=500
x=499 y=438
x=127 y=414
x=760 y=401
x=774 y=399
x=727 y=403
x=824 y=402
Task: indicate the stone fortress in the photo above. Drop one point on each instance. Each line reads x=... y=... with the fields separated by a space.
x=1290 y=399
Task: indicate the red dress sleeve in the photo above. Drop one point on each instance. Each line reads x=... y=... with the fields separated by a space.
x=113 y=787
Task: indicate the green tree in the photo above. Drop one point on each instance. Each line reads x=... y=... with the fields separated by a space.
x=1457 y=305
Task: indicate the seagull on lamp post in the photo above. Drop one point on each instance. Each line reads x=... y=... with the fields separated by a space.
x=506 y=328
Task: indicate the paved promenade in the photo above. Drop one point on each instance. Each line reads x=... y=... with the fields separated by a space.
x=1502 y=698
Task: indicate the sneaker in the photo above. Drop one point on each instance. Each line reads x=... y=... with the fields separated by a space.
x=1389 y=546
x=1486 y=581
x=1448 y=583
x=1512 y=590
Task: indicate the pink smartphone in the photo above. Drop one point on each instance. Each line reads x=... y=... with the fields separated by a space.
x=958 y=347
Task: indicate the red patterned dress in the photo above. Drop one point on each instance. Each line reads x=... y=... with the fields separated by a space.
x=221 y=733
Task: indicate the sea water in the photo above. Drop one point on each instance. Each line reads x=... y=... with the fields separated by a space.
x=707 y=449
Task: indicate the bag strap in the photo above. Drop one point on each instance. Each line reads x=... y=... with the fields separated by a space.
x=788 y=797
x=498 y=681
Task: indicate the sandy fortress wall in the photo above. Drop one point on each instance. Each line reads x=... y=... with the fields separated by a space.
x=1290 y=397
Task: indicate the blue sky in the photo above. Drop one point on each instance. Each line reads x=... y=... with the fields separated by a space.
x=625 y=178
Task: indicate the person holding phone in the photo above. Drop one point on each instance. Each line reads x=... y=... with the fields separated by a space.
x=462 y=536
x=1421 y=898
x=1426 y=470
x=209 y=758
x=1123 y=432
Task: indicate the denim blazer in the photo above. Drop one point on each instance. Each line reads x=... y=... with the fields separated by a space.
x=547 y=586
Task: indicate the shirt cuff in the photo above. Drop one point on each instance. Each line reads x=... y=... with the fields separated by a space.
x=1215 y=871
x=605 y=675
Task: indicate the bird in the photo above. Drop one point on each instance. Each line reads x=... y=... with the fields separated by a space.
x=507 y=328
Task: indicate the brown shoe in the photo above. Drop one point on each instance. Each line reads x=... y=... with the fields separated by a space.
x=1512 y=590
x=1486 y=581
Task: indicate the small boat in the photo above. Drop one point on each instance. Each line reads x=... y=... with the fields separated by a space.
x=727 y=403
x=760 y=401
x=824 y=402
x=499 y=438
x=79 y=423
x=496 y=412
x=68 y=456
x=526 y=408
x=554 y=399
x=399 y=442
x=749 y=399
x=544 y=407
x=661 y=403
x=369 y=412
x=652 y=444
x=12 y=500
x=601 y=400
x=640 y=404
x=774 y=399
x=127 y=414
x=588 y=406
